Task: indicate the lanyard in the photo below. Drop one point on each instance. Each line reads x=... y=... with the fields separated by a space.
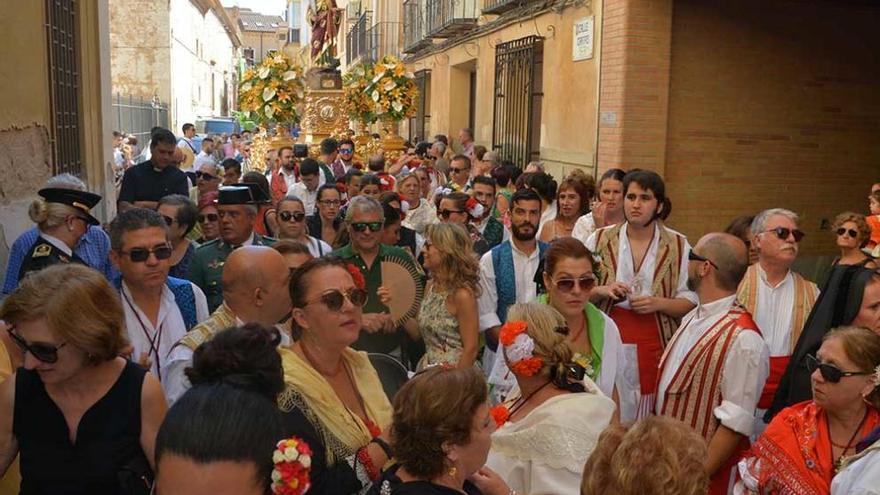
x=154 y=341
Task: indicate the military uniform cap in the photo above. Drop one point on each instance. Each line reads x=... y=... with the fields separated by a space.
x=242 y=194
x=83 y=201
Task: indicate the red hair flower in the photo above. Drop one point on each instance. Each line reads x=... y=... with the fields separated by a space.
x=500 y=414
x=359 y=281
x=293 y=463
x=510 y=330
x=527 y=367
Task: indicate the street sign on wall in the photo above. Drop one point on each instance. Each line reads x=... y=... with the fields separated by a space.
x=582 y=41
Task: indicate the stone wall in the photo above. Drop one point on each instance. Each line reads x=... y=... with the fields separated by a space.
x=140 y=44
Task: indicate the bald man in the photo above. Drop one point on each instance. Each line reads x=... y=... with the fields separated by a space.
x=254 y=291
x=714 y=368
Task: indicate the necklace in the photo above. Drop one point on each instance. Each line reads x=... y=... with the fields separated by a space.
x=839 y=461
x=522 y=401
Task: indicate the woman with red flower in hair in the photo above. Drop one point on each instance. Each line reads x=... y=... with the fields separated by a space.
x=550 y=422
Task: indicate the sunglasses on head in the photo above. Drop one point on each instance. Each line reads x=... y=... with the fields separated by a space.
x=567 y=284
x=852 y=233
x=140 y=255
x=210 y=217
x=46 y=353
x=696 y=257
x=783 y=232
x=287 y=216
x=335 y=299
x=445 y=214
x=830 y=373
x=206 y=176
x=362 y=226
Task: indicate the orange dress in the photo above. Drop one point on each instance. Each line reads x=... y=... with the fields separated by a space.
x=793 y=456
x=874 y=223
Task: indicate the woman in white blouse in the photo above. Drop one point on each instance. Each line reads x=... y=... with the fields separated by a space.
x=552 y=420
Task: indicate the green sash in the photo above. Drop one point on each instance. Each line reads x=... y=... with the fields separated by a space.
x=596 y=332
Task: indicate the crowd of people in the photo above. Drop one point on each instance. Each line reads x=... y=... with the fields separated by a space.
x=445 y=322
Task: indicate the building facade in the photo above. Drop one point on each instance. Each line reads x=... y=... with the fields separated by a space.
x=260 y=33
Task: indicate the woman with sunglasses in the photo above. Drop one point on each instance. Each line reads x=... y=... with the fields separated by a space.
x=325 y=223
x=82 y=419
x=180 y=215
x=569 y=276
x=209 y=220
x=331 y=387
x=805 y=445
x=460 y=208
x=853 y=234
x=550 y=423
x=291 y=218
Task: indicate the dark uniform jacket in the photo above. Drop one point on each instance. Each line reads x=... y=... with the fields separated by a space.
x=206 y=269
x=43 y=254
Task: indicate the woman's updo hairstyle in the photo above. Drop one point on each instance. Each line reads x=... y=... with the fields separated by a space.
x=547 y=327
x=49 y=215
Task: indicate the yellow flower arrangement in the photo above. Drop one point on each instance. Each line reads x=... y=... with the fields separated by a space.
x=392 y=91
x=271 y=91
x=357 y=101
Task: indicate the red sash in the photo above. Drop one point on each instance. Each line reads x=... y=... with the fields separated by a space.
x=777 y=369
x=720 y=481
x=642 y=331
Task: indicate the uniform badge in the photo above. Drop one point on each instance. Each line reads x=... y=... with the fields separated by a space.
x=216 y=263
x=42 y=251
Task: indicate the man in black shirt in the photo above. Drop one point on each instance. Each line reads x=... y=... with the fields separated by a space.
x=146 y=183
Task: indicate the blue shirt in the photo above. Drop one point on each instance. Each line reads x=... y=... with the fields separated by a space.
x=93 y=248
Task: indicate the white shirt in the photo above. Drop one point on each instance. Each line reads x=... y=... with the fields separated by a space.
x=308 y=197
x=180 y=358
x=548 y=215
x=169 y=327
x=773 y=312
x=289 y=178
x=744 y=372
x=318 y=247
x=584 y=227
x=203 y=159
x=862 y=477
x=626 y=271
x=524 y=266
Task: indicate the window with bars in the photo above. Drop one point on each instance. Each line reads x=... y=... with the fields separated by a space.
x=418 y=124
x=518 y=92
x=64 y=115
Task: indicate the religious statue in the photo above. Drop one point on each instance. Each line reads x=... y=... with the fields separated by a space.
x=325 y=17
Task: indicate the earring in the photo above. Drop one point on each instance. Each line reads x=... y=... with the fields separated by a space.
x=453 y=471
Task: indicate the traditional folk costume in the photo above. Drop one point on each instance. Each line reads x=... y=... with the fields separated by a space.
x=663 y=273
x=780 y=313
x=860 y=474
x=315 y=413
x=794 y=455
x=712 y=373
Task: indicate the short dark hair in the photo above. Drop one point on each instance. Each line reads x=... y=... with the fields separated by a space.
x=207 y=140
x=376 y=163
x=348 y=142
x=462 y=158
x=650 y=181
x=258 y=179
x=118 y=134
x=502 y=175
x=325 y=187
x=231 y=163
x=392 y=215
x=352 y=173
x=309 y=166
x=442 y=138
x=163 y=136
x=285 y=147
x=187 y=214
x=131 y=220
x=524 y=194
x=486 y=181
x=288 y=246
x=187 y=127
x=329 y=145
x=371 y=179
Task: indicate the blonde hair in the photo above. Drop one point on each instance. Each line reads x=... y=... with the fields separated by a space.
x=79 y=305
x=551 y=345
x=49 y=215
x=861 y=225
x=862 y=347
x=458 y=267
x=658 y=456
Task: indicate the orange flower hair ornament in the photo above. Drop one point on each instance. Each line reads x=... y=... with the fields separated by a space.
x=293 y=462
x=356 y=275
x=519 y=348
x=475 y=208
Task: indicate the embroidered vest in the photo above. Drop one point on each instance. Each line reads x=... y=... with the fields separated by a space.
x=695 y=389
x=505 y=277
x=220 y=320
x=494 y=232
x=184 y=298
x=804 y=298
x=670 y=250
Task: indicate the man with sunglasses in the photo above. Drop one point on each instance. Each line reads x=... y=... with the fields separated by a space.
x=254 y=291
x=237 y=208
x=346 y=156
x=460 y=174
x=779 y=299
x=720 y=339
x=159 y=309
x=364 y=220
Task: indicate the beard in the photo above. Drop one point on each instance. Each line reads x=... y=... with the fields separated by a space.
x=521 y=233
x=693 y=282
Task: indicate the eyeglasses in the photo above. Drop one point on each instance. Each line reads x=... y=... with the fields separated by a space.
x=168 y=220
x=140 y=255
x=567 y=284
x=330 y=202
x=852 y=233
x=445 y=214
x=210 y=217
x=335 y=299
x=287 y=216
x=362 y=226
x=783 y=232
x=696 y=257
x=44 y=352
x=206 y=176
x=457 y=170
x=830 y=372
x=346 y=151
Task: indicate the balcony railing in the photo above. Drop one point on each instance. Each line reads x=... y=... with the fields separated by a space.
x=500 y=6
x=448 y=18
x=414 y=34
x=353 y=11
x=383 y=38
x=356 y=39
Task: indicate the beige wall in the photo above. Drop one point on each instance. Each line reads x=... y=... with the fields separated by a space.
x=141 y=48
x=569 y=106
x=270 y=41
